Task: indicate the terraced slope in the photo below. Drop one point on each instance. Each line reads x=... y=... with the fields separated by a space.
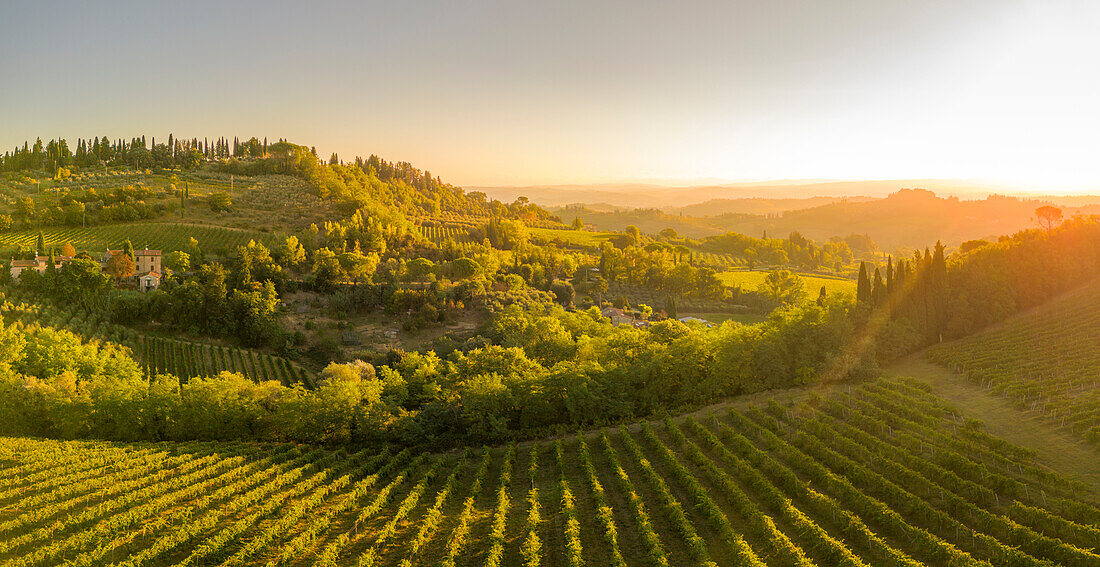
x=1046 y=360
x=163 y=236
x=879 y=474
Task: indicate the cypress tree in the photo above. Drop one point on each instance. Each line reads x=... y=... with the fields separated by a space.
x=938 y=290
x=890 y=276
x=51 y=268
x=128 y=249
x=41 y=248
x=821 y=296
x=863 y=286
x=878 y=290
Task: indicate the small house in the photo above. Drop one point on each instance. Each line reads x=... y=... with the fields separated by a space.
x=149 y=282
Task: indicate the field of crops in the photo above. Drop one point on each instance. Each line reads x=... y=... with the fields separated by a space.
x=879 y=474
x=185 y=359
x=812 y=283
x=439 y=234
x=1045 y=360
x=188 y=359
x=718 y=261
x=158 y=236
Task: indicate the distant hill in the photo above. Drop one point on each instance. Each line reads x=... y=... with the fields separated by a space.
x=909 y=218
x=759 y=205
x=638 y=195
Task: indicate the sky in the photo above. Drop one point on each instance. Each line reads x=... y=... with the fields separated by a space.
x=523 y=93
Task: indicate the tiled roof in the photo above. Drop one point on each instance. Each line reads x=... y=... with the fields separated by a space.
x=142 y=252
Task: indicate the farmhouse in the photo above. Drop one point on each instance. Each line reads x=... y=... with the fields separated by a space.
x=149 y=281
x=147 y=266
x=145 y=261
x=617 y=316
x=39 y=264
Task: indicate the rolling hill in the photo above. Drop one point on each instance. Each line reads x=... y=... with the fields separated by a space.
x=907 y=219
x=1045 y=360
x=879 y=474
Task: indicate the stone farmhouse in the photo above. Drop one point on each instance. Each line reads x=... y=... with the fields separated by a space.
x=147 y=266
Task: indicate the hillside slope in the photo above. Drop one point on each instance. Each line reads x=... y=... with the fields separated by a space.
x=878 y=474
x=1045 y=360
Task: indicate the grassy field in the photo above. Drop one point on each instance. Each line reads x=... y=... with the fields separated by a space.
x=581 y=238
x=878 y=474
x=751 y=280
x=1044 y=361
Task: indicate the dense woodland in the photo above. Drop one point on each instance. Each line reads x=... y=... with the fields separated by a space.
x=545 y=358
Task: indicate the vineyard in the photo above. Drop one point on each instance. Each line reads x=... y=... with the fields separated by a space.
x=440 y=234
x=718 y=261
x=158 y=236
x=182 y=358
x=1045 y=360
x=877 y=474
x=188 y=359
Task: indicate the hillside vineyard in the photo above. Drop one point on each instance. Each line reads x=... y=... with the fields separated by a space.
x=1047 y=368
x=878 y=474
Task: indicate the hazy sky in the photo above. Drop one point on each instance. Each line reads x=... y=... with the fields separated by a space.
x=562 y=91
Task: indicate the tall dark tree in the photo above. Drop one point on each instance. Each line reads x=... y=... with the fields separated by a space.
x=863 y=285
x=890 y=276
x=878 y=289
x=937 y=290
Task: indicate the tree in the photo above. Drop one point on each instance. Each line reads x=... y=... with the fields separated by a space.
x=563 y=292
x=178 y=261
x=68 y=250
x=24 y=209
x=119 y=266
x=578 y=224
x=783 y=287
x=220 y=201
x=292 y=253
x=358 y=266
x=83 y=280
x=41 y=244
x=863 y=286
x=878 y=289
x=972 y=245
x=634 y=234
x=1048 y=216
x=466 y=268
x=128 y=249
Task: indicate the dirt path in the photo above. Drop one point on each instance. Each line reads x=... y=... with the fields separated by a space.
x=1060 y=450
